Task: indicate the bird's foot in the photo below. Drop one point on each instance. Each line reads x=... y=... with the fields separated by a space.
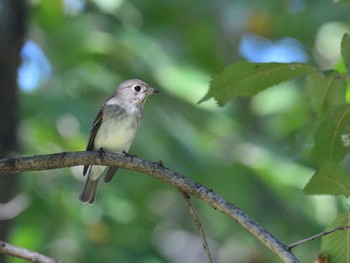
x=157 y=165
x=129 y=155
x=101 y=153
x=160 y=163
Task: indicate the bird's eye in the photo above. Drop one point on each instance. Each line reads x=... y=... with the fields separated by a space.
x=137 y=88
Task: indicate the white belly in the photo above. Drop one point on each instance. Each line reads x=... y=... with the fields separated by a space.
x=116 y=136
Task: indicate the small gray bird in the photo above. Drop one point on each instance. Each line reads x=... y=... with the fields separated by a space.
x=114 y=130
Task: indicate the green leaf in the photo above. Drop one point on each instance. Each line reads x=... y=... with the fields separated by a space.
x=330 y=179
x=345 y=50
x=325 y=91
x=332 y=138
x=337 y=245
x=247 y=79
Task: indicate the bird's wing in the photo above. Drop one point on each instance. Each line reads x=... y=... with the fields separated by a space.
x=109 y=174
x=93 y=131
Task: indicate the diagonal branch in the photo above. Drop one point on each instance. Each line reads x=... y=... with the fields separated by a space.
x=157 y=170
x=31 y=256
x=199 y=226
x=324 y=233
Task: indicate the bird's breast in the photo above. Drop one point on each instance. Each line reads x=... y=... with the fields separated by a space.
x=118 y=130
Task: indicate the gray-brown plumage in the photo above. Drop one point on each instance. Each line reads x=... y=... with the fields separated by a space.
x=114 y=130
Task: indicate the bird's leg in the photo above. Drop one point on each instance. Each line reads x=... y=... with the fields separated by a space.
x=158 y=164
x=129 y=155
x=101 y=153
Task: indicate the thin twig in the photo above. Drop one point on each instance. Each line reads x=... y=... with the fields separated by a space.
x=157 y=170
x=31 y=256
x=198 y=225
x=293 y=245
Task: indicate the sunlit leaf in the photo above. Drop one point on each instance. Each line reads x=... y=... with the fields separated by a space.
x=325 y=91
x=247 y=79
x=332 y=139
x=330 y=179
x=345 y=50
x=336 y=245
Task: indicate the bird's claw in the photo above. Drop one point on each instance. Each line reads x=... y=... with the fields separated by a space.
x=160 y=163
x=101 y=153
x=129 y=155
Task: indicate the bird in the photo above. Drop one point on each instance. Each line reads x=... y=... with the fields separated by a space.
x=114 y=130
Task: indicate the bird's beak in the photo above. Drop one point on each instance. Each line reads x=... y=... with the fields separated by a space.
x=152 y=90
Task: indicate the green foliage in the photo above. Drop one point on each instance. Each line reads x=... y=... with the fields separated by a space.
x=336 y=245
x=248 y=79
x=326 y=91
x=332 y=133
x=327 y=95
x=332 y=136
x=345 y=50
x=258 y=159
x=330 y=179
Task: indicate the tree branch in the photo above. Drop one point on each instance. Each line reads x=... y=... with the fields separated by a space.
x=198 y=225
x=18 y=252
x=157 y=170
x=324 y=233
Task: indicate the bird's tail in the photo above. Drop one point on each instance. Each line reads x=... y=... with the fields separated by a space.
x=89 y=190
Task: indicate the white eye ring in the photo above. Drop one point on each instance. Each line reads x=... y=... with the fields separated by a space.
x=137 y=88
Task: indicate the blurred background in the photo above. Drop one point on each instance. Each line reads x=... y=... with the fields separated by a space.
x=253 y=152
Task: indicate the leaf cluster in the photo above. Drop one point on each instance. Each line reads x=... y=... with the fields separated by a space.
x=327 y=94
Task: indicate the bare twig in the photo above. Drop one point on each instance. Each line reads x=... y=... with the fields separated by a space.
x=293 y=245
x=157 y=170
x=198 y=225
x=31 y=256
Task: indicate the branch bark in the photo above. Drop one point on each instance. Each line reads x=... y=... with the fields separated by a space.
x=157 y=170
x=324 y=233
x=198 y=226
x=26 y=254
